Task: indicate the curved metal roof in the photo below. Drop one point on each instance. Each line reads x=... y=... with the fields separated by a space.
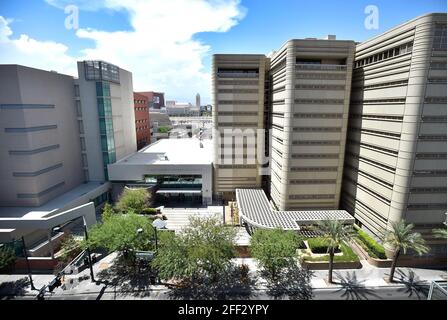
x=255 y=209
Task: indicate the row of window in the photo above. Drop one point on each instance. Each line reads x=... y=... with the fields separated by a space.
x=315 y=156
x=237 y=90
x=326 y=76
x=434 y=118
x=373 y=147
x=314 y=169
x=319 y=115
x=431 y=156
x=433 y=137
x=140 y=108
x=429 y=206
x=255 y=102
x=315 y=142
x=375 y=117
x=442 y=100
x=139 y=101
x=34 y=151
x=319 y=87
x=143 y=128
x=372 y=162
x=311 y=196
x=37 y=173
x=319 y=101
x=430 y=173
x=375 y=178
x=141 y=121
x=317 y=129
x=379 y=101
x=384 y=55
x=237 y=82
x=379 y=133
x=383 y=85
x=313 y=181
x=429 y=190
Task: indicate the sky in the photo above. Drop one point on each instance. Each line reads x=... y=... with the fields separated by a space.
x=168 y=44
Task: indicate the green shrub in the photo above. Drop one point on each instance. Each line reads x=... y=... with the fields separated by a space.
x=7 y=258
x=374 y=249
x=348 y=255
x=150 y=211
x=319 y=245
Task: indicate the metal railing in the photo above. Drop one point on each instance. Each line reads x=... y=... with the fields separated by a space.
x=438 y=290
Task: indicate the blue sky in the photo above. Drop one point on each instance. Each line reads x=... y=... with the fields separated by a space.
x=168 y=46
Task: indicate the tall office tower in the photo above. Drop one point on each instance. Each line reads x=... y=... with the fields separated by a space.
x=40 y=150
x=396 y=159
x=198 y=101
x=107 y=122
x=310 y=83
x=238 y=112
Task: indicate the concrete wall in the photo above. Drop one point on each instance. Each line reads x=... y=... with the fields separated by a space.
x=30 y=175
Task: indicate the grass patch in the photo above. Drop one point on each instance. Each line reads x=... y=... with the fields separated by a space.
x=319 y=245
x=374 y=249
x=348 y=255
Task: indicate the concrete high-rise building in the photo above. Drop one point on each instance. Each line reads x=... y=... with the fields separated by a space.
x=57 y=136
x=108 y=118
x=39 y=137
x=310 y=83
x=238 y=100
x=198 y=100
x=396 y=158
x=142 y=121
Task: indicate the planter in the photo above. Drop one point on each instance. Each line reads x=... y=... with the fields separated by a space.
x=323 y=265
x=380 y=263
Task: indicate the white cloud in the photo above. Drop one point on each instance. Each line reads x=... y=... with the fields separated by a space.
x=159 y=50
x=30 y=52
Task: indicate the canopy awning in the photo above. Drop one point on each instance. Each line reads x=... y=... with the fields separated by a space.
x=254 y=208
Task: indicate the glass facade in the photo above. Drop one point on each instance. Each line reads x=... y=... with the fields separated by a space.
x=104 y=103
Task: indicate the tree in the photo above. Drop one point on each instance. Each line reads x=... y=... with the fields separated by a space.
x=133 y=199
x=335 y=233
x=200 y=253
x=107 y=211
x=119 y=233
x=272 y=248
x=440 y=233
x=7 y=258
x=402 y=238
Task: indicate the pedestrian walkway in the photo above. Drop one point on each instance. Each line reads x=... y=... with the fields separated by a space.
x=178 y=218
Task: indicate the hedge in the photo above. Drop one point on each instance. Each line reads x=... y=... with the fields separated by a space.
x=319 y=245
x=149 y=211
x=374 y=249
x=347 y=256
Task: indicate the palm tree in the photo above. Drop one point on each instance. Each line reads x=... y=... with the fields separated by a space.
x=402 y=238
x=335 y=233
x=440 y=233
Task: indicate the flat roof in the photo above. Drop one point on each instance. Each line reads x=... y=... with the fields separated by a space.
x=51 y=206
x=188 y=151
x=255 y=209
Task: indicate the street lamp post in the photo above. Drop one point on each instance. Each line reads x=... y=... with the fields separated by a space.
x=158 y=224
x=87 y=249
x=27 y=265
x=89 y=256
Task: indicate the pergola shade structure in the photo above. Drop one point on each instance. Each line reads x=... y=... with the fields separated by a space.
x=255 y=210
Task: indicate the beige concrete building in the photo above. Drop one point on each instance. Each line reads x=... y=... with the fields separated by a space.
x=57 y=136
x=311 y=83
x=238 y=113
x=40 y=150
x=396 y=159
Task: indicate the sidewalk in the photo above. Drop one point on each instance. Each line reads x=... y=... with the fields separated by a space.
x=368 y=276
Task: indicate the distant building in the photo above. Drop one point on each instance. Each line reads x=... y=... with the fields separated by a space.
x=142 y=122
x=159 y=120
x=156 y=99
x=198 y=100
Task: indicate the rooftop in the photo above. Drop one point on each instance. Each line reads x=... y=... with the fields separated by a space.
x=172 y=152
x=255 y=209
